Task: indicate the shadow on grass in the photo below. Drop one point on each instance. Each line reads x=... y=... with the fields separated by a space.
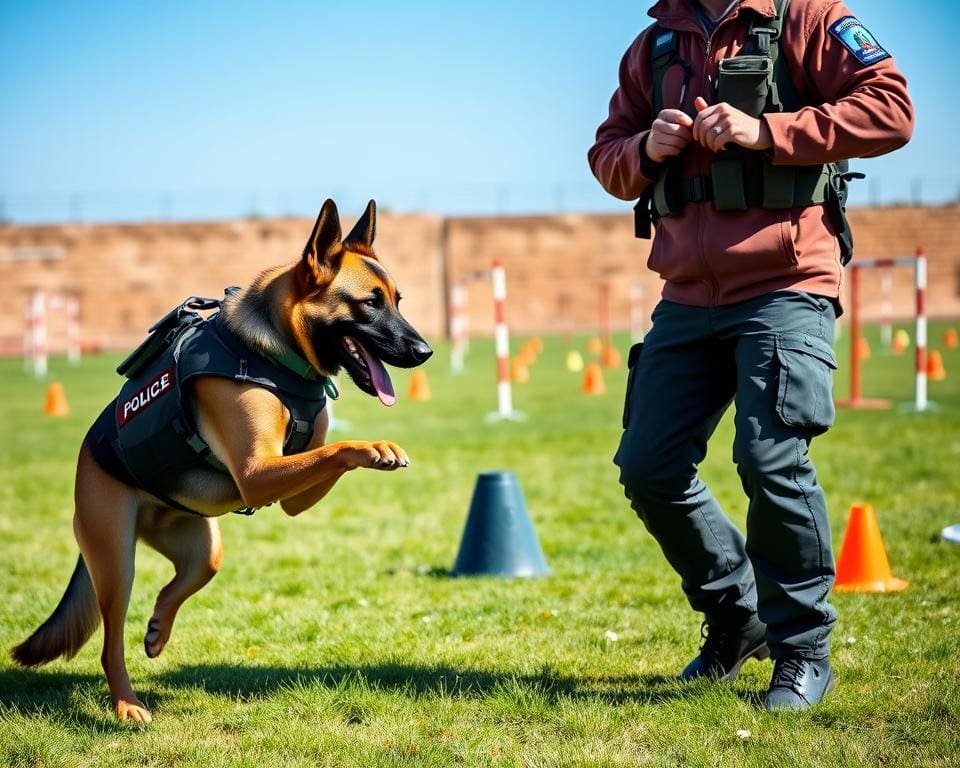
x=41 y=693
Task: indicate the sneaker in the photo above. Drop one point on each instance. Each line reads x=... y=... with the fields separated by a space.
x=725 y=648
x=798 y=683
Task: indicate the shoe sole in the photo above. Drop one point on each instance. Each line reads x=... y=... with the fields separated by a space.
x=760 y=652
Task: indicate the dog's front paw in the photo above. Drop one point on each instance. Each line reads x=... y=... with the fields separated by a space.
x=132 y=709
x=380 y=454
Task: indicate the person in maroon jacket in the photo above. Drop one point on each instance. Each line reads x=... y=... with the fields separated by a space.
x=731 y=123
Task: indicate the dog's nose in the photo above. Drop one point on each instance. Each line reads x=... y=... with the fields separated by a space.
x=421 y=351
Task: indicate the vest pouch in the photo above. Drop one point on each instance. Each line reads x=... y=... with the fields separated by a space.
x=726 y=172
x=744 y=83
x=162 y=334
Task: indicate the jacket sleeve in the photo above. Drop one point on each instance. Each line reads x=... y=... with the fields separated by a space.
x=615 y=156
x=862 y=110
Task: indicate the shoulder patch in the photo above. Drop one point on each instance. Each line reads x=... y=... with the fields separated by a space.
x=857 y=39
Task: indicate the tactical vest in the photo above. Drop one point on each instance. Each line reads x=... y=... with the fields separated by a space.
x=156 y=431
x=757 y=82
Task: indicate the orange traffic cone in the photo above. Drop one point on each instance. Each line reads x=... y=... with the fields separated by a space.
x=419 y=388
x=56 y=404
x=935 y=369
x=537 y=343
x=863 y=349
x=610 y=357
x=593 y=381
x=863 y=565
x=594 y=345
x=519 y=371
x=950 y=340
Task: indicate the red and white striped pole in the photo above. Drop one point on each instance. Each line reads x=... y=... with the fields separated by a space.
x=458 y=327
x=498 y=279
x=920 y=282
x=636 y=312
x=73 y=329
x=38 y=345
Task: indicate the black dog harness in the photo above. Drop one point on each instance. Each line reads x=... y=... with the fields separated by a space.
x=147 y=436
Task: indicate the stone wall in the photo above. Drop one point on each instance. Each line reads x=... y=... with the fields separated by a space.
x=127 y=276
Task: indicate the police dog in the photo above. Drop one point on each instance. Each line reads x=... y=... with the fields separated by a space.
x=337 y=308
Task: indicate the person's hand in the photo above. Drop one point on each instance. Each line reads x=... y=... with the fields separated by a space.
x=668 y=135
x=720 y=124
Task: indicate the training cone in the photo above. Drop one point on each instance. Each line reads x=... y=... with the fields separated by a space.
x=593 y=381
x=950 y=340
x=594 y=345
x=900 y=342
x=935 y=369
x=610 y=357
x=863 y=565
x=498 y=539
x=56 y=404
x=574 y=361
x=419 y=388
x=519 y=373
x=863 y=349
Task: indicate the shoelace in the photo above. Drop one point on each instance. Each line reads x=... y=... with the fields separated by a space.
x=788 y=674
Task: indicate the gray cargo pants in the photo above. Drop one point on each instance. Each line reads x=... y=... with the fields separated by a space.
x=773 y=357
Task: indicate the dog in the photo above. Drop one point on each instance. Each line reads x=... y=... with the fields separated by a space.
x=335 y=308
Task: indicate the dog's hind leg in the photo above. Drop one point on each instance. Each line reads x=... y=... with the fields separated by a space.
x=192 y=543
x=106 y=528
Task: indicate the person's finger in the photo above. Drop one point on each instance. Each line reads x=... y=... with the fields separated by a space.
x=675 y=129
x=719 y=136
x=707 y=124
x=700 y=104
x=676 y=116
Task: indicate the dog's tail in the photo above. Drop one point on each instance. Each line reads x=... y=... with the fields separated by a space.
x=69 y=626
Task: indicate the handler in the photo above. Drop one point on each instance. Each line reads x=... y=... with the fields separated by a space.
x=730 y=123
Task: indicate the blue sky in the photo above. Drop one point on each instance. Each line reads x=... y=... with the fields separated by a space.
x=177 y=110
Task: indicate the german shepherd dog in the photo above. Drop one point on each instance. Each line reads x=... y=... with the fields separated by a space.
x=337 y=308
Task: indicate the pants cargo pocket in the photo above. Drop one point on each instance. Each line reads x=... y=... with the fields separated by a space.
x=805 y=387
x=632 y=359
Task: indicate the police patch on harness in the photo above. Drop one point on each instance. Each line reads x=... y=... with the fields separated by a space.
x=144 y=397
x=858 y=40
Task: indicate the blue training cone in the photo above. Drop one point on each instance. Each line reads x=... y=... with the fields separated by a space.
x=498 y=539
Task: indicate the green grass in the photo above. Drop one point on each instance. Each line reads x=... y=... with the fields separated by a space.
x=336 y=638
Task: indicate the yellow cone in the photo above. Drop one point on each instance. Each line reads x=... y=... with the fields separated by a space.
x=901 y=342
x=574 y=361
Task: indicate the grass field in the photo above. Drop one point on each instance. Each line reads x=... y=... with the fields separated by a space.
x=337 y=639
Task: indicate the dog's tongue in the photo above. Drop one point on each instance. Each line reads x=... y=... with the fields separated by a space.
x=379 y=377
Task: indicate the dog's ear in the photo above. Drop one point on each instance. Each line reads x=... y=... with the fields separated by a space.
x=361 y=236
x=321 y=251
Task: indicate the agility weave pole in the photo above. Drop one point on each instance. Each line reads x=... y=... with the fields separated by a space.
x=919 y=264
x=35 y=329
x=458 y=327
x=501 y=334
